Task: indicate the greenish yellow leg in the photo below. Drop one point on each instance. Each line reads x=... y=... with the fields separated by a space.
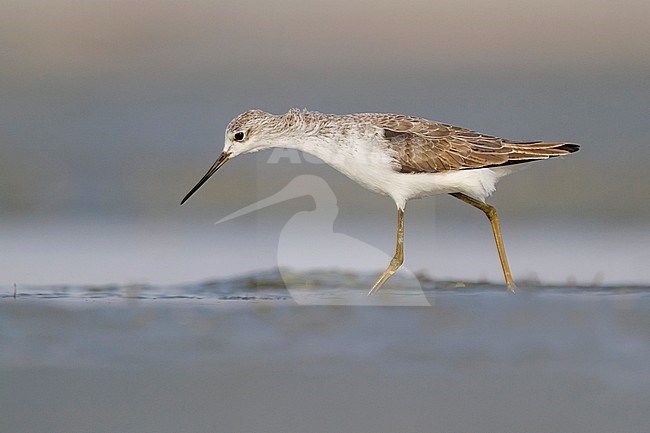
x=398 y=258
x=491 y=213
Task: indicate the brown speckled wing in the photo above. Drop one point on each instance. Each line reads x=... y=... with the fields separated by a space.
x=425 y=146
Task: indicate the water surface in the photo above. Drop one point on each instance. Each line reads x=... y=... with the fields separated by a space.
x=240 y=354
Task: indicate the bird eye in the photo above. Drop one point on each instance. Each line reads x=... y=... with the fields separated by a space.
x=239 y=136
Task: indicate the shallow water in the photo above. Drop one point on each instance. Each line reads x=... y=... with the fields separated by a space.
x=242 y=355
x=319 y=285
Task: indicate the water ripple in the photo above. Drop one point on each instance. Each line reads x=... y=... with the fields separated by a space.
x=271 y=285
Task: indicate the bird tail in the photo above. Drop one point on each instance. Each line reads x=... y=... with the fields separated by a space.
x=521 y=151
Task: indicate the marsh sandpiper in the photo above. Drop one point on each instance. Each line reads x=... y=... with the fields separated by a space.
x=402 y=157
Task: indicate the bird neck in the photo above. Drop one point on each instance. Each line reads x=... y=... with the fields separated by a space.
x=310 y=132
x=316 y=144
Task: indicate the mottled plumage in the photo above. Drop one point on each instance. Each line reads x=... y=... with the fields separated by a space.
x=425 y=146
x=419 y=145
x=403 y=157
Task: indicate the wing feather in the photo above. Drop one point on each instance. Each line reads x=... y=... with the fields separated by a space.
x=426 y=146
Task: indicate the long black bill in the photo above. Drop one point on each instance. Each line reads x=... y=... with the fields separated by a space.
x=218 y=163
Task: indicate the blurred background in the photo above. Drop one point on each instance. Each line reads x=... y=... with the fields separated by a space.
x=112 y=110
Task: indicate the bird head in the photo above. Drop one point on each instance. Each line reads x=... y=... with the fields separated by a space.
x=249 y=132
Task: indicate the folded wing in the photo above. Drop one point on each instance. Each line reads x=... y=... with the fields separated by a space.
x=425 y=146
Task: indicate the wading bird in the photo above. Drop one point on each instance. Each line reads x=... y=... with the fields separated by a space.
x=402 y=157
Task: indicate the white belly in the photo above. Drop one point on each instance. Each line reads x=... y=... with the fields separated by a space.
x=401 y=187
x=375 y=171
